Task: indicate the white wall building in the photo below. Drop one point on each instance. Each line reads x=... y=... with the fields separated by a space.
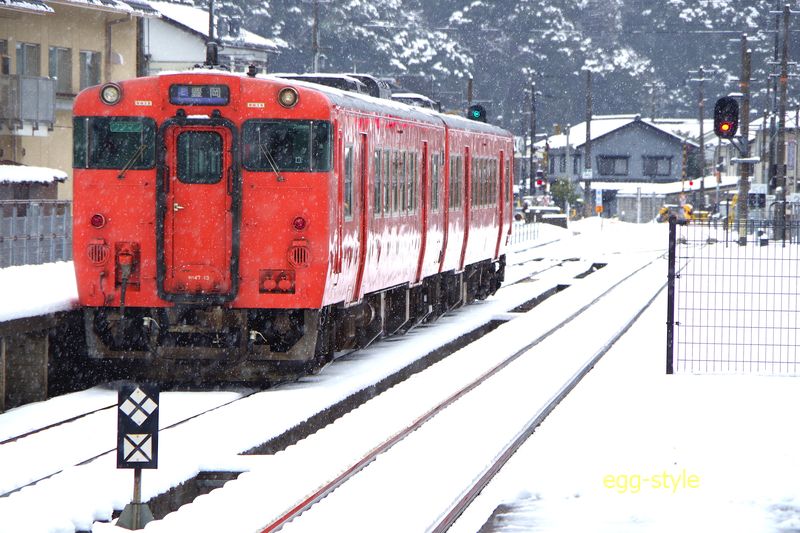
x=177 y=40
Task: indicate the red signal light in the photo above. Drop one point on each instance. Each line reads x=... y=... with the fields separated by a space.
x=539 y=183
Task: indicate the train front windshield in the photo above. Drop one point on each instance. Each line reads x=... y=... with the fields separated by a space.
x=286 y=145
x=114 y=142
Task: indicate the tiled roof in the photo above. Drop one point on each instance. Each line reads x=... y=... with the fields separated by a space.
x=33 y=6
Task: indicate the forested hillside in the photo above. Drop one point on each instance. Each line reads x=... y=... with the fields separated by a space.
x=641 y=51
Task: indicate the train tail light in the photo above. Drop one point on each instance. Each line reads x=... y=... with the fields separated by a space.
x=277 y=282
x=98 y=220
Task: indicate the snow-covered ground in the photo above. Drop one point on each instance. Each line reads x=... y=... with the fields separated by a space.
x=631 y=449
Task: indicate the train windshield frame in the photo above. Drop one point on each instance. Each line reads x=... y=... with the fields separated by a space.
x=270 y=145
x=114 y=143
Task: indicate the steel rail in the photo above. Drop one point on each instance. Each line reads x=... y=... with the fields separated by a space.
x=55 y=424
x=327 y=488
x=468 y=496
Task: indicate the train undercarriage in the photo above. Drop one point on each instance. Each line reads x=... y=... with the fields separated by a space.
x=212 y=344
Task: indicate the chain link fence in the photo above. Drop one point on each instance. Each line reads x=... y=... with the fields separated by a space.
x=33 y=232
x=734 y=303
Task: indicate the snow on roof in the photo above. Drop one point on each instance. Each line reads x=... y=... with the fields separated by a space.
x=25 y=174
x=605 y=124
x=196 y=20
x=26 y=5
x=662 y=189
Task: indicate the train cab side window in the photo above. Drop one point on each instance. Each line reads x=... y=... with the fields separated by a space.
x=114 y=142
x=348 y=182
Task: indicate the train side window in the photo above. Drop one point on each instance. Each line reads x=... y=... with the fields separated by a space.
x=377 y=167
x=347 y=201
x=434 y=197
x=403 y=182
x=412 y=178
x=508 y=180
x=395 y=177
x=387 y=164
x=451 y=203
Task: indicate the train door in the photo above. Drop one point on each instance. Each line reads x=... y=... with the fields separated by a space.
x=467 y=173
x=362 y=211
x=423 y=202
x=501 y=192
x=200 y=254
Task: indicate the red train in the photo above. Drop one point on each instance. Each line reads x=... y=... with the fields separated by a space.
x=248 y=228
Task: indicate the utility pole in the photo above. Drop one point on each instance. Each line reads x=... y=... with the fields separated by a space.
x=780 y=171
x=469 y=93
x=587 y=149
x=744 y=167
x=316 y=49
x=701 y=79
x=771 y=183
x=532 y=162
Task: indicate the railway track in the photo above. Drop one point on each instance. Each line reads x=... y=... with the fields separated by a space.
x=392 y=451
x=400 y=358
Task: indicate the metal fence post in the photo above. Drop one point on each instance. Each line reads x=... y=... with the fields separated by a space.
x=671 y=294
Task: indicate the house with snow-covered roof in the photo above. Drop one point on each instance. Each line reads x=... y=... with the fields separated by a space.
x=628 y=150
x=176 y=40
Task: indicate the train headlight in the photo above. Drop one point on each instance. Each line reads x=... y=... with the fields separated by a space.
x=288 y=97
x=111 y=93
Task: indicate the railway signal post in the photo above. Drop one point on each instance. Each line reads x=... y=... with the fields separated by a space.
x=137 y=445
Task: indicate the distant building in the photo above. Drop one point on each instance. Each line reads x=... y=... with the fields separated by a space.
x=177 y=41
x=626 y=150
x=49 y=51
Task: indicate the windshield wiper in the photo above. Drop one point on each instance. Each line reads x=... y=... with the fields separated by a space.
x=271 y=161
x=127 y=166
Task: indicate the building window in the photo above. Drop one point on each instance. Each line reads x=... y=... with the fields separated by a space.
x=562 y=163
x=576 y=164
x=5 y=61
x=61 y=68
x=90 y=68
x=609 y=165
x=28 y=59
x=656 y=165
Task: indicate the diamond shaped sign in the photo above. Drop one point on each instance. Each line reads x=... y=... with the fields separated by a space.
x=137 y=426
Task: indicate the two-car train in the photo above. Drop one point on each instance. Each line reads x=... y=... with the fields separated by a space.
x=248 y=228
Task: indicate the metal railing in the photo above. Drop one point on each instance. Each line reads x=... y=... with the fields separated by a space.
x=33 y=232
x=27 y=99
x=523 y=232
x=733 y=304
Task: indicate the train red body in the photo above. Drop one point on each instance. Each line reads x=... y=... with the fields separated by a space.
x=251 y=228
